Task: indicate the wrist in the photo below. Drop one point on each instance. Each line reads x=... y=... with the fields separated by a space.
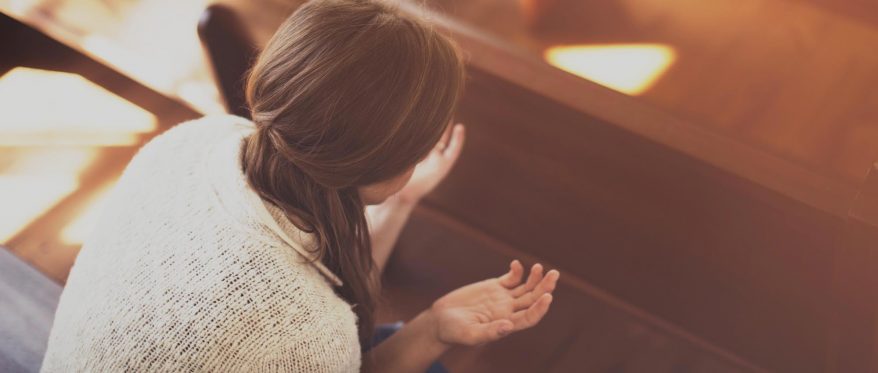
x=403 y=202
x=411 y=349
x=428 y=322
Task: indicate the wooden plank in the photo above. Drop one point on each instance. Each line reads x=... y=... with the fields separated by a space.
x=762 y=72
x=427 y=264
x=855 y=343
x=437 y=254
x=732 y=243
x=492 y=56
x=734 y=263
x=865 y=11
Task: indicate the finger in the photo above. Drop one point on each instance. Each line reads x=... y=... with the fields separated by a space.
x=547 y=285
x=534 y=278
x=443 y=141
x=527 y=318
x=512 y=278
x=455 y=143
x=493 y=330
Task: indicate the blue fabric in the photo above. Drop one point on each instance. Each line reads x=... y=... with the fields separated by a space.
x=384 y=331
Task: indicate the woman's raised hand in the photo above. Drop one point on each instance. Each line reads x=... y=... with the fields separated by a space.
x=432 y=169
x=491 y=309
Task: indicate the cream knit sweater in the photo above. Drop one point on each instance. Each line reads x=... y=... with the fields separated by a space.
x=189 y=271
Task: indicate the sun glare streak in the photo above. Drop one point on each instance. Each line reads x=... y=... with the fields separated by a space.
x=80 y=228
x=24 y=198
x=35 y=181
x=53 y=108
x=628 y=68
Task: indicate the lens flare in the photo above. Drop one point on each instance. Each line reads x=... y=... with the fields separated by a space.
x=628 y=68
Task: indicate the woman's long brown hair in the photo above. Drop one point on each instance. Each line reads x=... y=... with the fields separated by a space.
x=347 y=93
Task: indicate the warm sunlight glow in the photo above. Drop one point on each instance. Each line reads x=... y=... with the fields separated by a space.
x=116 y=54
x=24 y=198
x=627 y=68
x=53 y=108
x=34 y=181
x=151 y=41
x=202 y=95
x=77 y=231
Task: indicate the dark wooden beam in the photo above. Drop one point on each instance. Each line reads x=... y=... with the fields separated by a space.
x=26 y=46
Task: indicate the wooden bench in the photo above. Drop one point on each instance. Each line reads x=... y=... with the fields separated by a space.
x=737 y=249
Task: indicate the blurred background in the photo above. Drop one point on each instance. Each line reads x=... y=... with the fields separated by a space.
x=84 y=83
x=795 y=77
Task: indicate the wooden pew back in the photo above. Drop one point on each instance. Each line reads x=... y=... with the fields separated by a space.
x=729 y=243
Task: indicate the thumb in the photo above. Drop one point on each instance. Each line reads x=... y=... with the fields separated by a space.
x=512 y=278
x=496 y=329
x=455 y=144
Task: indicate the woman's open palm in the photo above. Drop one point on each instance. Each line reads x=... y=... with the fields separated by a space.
x=491 y=309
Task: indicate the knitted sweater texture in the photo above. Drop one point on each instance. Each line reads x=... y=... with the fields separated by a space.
x=183 y=274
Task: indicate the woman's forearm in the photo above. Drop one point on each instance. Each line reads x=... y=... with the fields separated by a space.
x=385 y=224
x=411 y=349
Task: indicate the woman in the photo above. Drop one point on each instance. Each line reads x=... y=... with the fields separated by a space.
x=232 y=245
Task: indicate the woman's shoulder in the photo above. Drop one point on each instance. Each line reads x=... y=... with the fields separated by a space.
x=189 y=138
x=203 y=129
